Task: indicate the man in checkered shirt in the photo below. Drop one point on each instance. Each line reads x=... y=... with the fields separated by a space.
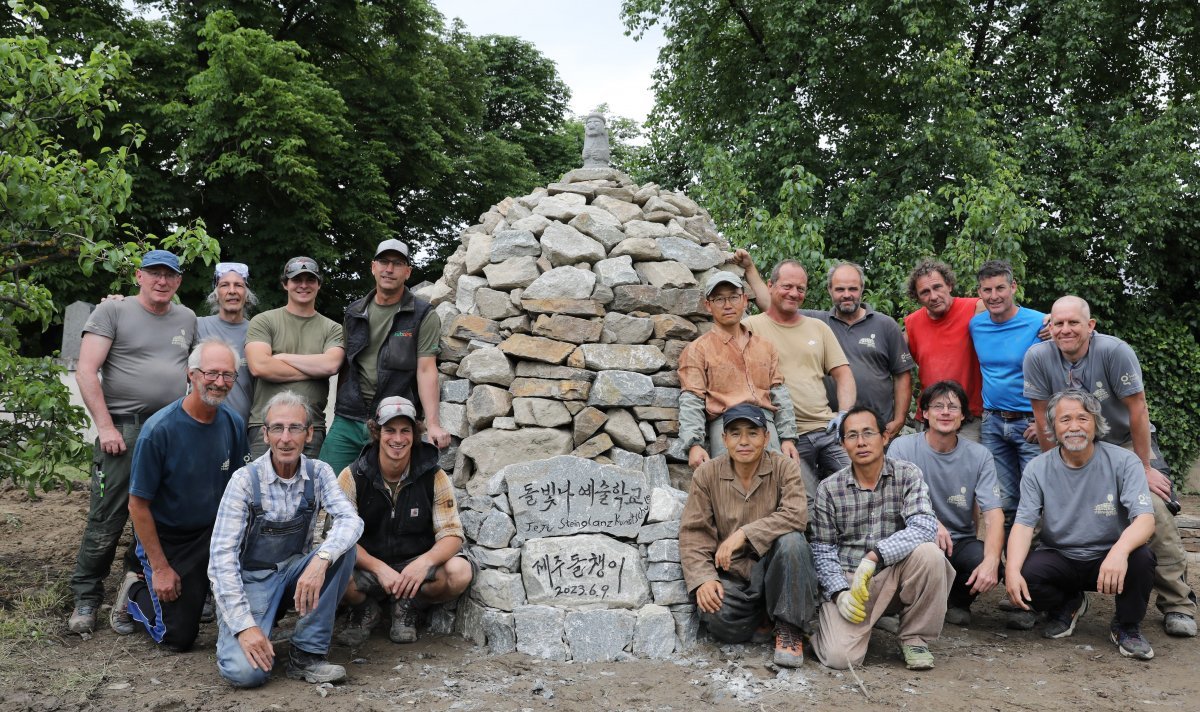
x=874 y=551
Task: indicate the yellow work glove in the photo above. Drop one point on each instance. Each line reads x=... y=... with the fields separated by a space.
x=850 y=608
x=860 y=588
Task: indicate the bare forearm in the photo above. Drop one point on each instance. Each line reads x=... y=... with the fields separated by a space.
x=263 y=364
x=1019 y=541
x=428 y=390
x=902 y=395
x=1043 y=426
x=313 y=365
x=846 y=392
x=93 y=398
x=147 y=532
x=444 y=549
x=1137 y=533
x=993 y=542
x=1139 y=429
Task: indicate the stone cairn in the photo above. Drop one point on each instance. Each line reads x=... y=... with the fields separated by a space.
x=564 y=313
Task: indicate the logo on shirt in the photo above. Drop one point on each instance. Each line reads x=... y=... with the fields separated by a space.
x=1106 y=509
x=1144 y=499
x=225 y=466
x=812 y=342
x=404 y=334
x=958 y=500
x=1101 y=392
x=868 y=341
x=181 y=341
x=414 y=512
x=996 y=491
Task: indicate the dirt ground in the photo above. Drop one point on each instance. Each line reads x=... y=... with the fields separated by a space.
x=44 y=667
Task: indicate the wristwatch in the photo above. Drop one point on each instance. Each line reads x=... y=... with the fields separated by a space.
x=324 y=556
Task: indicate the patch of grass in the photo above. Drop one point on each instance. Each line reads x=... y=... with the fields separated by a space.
x=34 y=617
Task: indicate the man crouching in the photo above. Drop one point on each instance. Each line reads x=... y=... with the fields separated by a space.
x=410 y=553
x=741 y=541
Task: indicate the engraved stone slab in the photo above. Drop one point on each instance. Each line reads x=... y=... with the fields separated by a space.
x=570 y=495
x=582 y=570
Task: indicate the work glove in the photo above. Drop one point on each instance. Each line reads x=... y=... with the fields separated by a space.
x=850 y=608
x=860 y=588
x=836 y=422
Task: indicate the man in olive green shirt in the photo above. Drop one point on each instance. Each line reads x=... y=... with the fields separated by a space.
x=293 y=348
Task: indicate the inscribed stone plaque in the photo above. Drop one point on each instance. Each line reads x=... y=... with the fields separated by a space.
x=570 y=495
x=582 y=570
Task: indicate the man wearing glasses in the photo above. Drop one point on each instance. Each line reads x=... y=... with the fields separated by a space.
x=140 y=348
x=873 y=547
x=293 y=348
x=392 y=342
x=726 y=366
x=1106 y=367
x=182 y=461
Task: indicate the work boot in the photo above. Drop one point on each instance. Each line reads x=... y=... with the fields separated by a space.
x=789 y=647
x=313 y=667
x=404 y=621
x=1061 y=623
x=362 y=620
x=119 y=619
x=208 y=613
x=83 y=619
x=1179 y=625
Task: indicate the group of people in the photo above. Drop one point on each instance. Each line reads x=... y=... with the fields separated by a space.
x=810 y=515
x=211 y=438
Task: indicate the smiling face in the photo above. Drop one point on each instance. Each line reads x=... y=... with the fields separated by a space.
x=218 y=360
x=1071 y=327
x=745 y=441
x=395 y=444
x=945 y=414
x=158 y=285
x=845 y=290
x=391 y=270
x=788 y=292
x=726 y=303
x=302 y=289
x=287 y=445
x=933 y=293
x=998 y=295
x=1074 y=426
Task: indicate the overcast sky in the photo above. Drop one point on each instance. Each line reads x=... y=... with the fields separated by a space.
x=585 y=39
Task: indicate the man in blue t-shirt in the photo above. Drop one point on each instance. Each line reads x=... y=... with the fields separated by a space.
x=183 y=459
x=1002 y=335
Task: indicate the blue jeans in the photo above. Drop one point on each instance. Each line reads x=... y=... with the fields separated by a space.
x=1005 y=439
x=266 y=590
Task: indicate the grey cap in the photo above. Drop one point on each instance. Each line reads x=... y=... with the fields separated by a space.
x=395 y=407
x=392 y=245
x=720 y=278
x=299 y=265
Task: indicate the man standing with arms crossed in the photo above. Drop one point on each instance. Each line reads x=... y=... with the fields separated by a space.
x=140 y=348
x=392 y=342
x=293 y=348
x=1105 y=366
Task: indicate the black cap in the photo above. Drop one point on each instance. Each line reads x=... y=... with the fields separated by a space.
x=745 y=411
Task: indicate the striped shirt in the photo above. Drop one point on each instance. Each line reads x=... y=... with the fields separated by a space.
x=281 y=500
x=718 y=505
x=849 y=522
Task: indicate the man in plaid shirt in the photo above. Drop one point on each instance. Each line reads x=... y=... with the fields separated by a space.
x=874 y=551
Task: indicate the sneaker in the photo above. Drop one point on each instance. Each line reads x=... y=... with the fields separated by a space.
x=1021 y=620
x=362 y=620
x=208 y=614
x=789 y=647
x=119 y=619
x=891 y=624
x=83 y=619
x=404 y=621
x=917 y=657
x=1061 y=623
x=312 y=667
x=1129 y=641
x=1180 y=625
x=956 y=615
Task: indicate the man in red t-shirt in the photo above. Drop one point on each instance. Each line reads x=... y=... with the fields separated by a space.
x=939 y=339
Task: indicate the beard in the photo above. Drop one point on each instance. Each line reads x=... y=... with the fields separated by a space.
x=1075 y=441
x=213 y=398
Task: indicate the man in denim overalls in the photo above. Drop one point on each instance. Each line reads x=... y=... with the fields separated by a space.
x=260 y=561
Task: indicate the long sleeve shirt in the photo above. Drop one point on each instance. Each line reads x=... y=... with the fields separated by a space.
x=849 y=521
x=718 y=505
x=281 y=500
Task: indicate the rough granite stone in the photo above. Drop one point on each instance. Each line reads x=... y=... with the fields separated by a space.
x=471 y=521
x=513 y=273
x=666 y=504
x=615 y=271
x=654 y=636
x=532 y=369
x=514 y=243
x=500 y=632
x=542 y=412
x=661 y=530
x=561 y=207
x=623 y=428
x=655 y=467
x=687 y=626
x=454 y=419
x=456 y=391
x=594 y=447
x=599 y=635
x=486 y=404
x=582 y=570
x=641 y=249
x=538 y=348
x=622 y=210
x=469 y=621
x=464 y=295
x=491 y=449
x=540 y=632
x=621 y=389
x=646 y=230
x=564 y=245
x=487 y=365
x=626 y=459
x=623 y=329
x=663 y=550
x=574 y=307
x=496 y=531
x=669 y=593
x=533 y=223
x=497 y=589
x=670 y=326
x=623 y=357
x=567 y=328
x=563 y=283
x=504 y=422
x=693 y=256
x=470 y=327
x=504 y=559
x=493 y=304
x=479 y=252
x=663 y=571
x=548 y=388
x=587 y=422
x=600 y=225
x=666 y=397
x=665 y=274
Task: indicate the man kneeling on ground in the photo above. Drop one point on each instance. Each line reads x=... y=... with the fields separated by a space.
x=410 y=553
x=1094 y=505
x=741 y=540
x=259 y=561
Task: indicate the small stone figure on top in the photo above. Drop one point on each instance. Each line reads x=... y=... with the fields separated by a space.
x=596 y=153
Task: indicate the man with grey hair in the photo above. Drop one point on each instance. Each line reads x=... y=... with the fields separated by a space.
x=1091 y=500
x=230 y=302
x=1080 y=357
x=183 y=459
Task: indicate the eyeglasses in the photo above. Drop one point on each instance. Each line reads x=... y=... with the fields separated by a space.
x=947 y=407
x=726 y=301
x=855 y=435
x=293 y=428
x=210 y=376
x=161 y=275
x=393 y=264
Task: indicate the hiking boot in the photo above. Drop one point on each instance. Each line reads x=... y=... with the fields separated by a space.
x=362 y=620
x=119 y=619
x=1061 y=623
x=1021 y=620
x=208 y=614
x=917 y=657
x=404 y=621
x=1180 y=625
x=956 y=615
x=891 y=624
x=83 y=619
x=789 y=647
x=764 y=632
x=1129 y=640
x=312 y=667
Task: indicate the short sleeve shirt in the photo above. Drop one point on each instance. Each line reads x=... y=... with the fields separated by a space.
x=146 y=366
x=957 y=480
x=1001 y=347
x=287 y=333
x=1083 y=511
x=808 y=350
x=235 y=335
x=876 y=351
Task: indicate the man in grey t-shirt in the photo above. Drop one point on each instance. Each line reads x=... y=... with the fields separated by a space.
x=1094 y=506
x=132 y=362
x=230 y=301
x=1107 y=367
x=960 y=474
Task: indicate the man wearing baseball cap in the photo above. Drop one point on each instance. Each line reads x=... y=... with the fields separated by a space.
x=410 y=552
x=293 y=348
x=729 y=365
x=741 y=541
x=392 y=342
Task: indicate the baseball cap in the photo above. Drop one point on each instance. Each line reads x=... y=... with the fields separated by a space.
x=155 y=258
x=720 y=278
x=392 y=245
x=744 y=411
x=238 y=268
x=395 y=407
x=299 y=265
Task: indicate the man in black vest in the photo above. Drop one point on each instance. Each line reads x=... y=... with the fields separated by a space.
x=410 y=552
x=391 y=350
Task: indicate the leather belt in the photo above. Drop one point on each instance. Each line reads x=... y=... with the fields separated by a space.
x=129 y=419
x=1012 y=414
